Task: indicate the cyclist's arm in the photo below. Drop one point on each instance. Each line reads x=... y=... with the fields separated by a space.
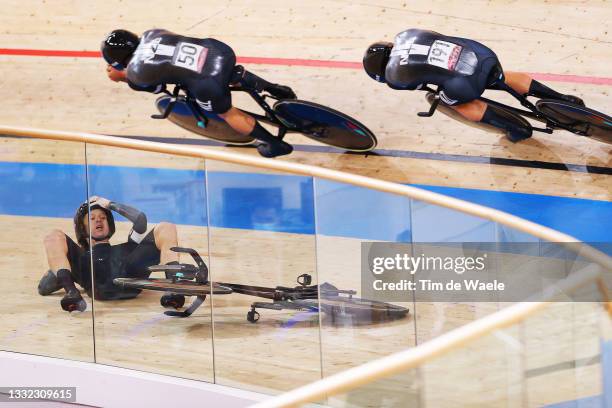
x=121 y=76
x=138 y=218
x=150 y=88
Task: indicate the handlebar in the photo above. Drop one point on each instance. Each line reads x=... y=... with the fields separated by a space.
x=190 y=101
x=202 y=274
x=202 y=120
x=168 y=110
x=434 y=105
x=533 y=111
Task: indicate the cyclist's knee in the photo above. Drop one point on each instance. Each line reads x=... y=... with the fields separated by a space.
x=165 y=231
x=55 y=239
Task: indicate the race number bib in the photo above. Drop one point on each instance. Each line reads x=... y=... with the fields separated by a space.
x=190 y=56
x=444 y=54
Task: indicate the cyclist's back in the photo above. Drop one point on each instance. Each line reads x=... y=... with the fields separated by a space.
x=463 y=68
x=203 y=66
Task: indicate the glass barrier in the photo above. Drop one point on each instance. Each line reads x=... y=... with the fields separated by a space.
x=262 y=245
x=563 y=347
x=449 y=269
x=355 y=327
x=557 y=357
x=38 y=197
x=496 y=381
x=323 y=277
x=440 y=232
x=132 y=327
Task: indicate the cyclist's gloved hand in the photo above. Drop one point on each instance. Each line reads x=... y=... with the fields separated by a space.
x=160 y=88
x=101 y=201
x=148 y=88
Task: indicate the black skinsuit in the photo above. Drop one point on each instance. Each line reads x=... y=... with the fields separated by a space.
x=462 y=68
x=203 y=66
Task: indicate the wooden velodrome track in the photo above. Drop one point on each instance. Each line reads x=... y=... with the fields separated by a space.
x=566 y=38
x=72 y=93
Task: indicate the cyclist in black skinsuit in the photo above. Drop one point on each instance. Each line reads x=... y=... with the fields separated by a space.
x=462 y=68
x=205 y=67
x=70 y=262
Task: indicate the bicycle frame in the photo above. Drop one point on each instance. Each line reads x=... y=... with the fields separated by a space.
x=270 y=117
x=533 y=112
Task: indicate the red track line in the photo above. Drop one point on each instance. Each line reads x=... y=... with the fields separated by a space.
x=49 y=53
x=296 y=62
x=571 y=78
x=300 y=62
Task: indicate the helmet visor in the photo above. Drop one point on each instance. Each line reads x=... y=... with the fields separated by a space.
x=116 y=65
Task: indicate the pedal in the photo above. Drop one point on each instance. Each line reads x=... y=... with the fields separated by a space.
x=171 y=104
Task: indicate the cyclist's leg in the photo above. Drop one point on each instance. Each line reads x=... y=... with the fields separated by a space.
x=519 y=81
x=56 y=247
x=526 y=85
x=62 y=254
x=479 y=111
x=461 y=94
x=150 y=251
x=473 y=110
x=64 y=260
x=166 y=237
x=214 y=95
x=251 y=81
x=245 y=124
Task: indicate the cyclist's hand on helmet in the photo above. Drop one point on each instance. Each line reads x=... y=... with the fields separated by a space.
x=101 y=201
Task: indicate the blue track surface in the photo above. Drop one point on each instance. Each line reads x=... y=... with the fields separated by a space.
x=285 y=203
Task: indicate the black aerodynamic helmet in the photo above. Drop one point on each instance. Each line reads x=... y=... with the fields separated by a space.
x=375 y=60
x=79 y=225
x=118 y=47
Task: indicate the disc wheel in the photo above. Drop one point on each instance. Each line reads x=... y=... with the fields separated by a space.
x=582 y=119
x=216 y=128
x=325 y=125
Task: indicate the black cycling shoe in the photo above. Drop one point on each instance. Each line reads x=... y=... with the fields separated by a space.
x=48 y=284
x=275 y=149
x=518 y=133
x=573 y=99
x=281 y=91
x=73 y=301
